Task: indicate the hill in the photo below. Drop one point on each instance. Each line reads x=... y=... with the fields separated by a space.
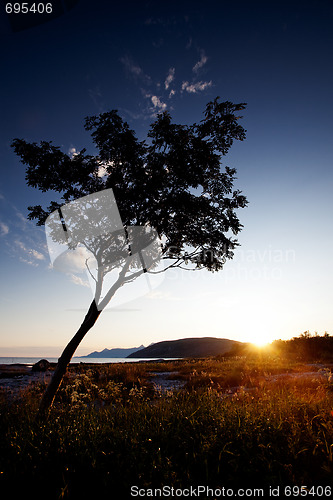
x=186 y=348
x=113 y=353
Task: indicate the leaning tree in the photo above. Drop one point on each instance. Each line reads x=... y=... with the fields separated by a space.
x=171 y=185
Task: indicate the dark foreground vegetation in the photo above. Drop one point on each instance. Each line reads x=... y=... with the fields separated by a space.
x=256 y=420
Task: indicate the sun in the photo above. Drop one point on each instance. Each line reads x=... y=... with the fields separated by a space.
x=260 y=342
x=259 y=337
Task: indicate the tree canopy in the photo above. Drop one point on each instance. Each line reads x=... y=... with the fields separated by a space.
x=172 y=182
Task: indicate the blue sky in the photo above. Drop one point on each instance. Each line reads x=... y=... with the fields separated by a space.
x=142 y=58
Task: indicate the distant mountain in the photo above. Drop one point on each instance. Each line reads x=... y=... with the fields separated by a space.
x=187 y=348
x=114 y=353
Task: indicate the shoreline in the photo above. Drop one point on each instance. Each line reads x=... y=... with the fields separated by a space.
x=16 y=377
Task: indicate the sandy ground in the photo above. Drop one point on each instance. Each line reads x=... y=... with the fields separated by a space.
x=161 y=382
x=14 y=378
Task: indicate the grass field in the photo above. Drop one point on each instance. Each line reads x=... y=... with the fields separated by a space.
x=241 y=422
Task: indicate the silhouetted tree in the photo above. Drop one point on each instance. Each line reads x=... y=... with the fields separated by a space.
x=172 y=182
x=306 y=347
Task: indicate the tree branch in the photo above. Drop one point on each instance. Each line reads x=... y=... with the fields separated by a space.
x=93 y=277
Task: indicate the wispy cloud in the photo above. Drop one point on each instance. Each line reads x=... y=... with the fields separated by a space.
x=4 y=229
x=10 y=209
x=21 y=217
x=20 y=239
x=201 y=62
x=131 y=67
x=194 y=88
x=37 y=255
x=30 y=256
x=78 y=281
x=151 y=21
x=30 y=262
x=21 y=245
x=159 y=93
x=97 y=98
x=157 y=103
x=134 y=69
x=189 y=43
x=72 y=261
x=169 y=78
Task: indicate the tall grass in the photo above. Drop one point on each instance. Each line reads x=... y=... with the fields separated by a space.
x=110 y=430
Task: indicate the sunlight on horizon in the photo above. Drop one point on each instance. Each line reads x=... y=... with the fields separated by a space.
x=260 y=343
x=260 y=335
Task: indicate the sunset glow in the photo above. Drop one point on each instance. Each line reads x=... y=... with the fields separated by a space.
x=144 y=58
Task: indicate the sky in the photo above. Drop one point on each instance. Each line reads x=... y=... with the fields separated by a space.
x=141 y=58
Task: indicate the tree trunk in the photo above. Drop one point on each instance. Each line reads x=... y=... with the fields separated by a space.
x=51 y=390
x=88 y=322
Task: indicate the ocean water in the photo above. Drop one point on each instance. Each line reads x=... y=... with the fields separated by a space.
x=31 y=361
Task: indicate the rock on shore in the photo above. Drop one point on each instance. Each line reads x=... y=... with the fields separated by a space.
x=16 y=377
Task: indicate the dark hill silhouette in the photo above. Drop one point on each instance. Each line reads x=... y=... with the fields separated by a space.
x=187 y=348
x=113 y=353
